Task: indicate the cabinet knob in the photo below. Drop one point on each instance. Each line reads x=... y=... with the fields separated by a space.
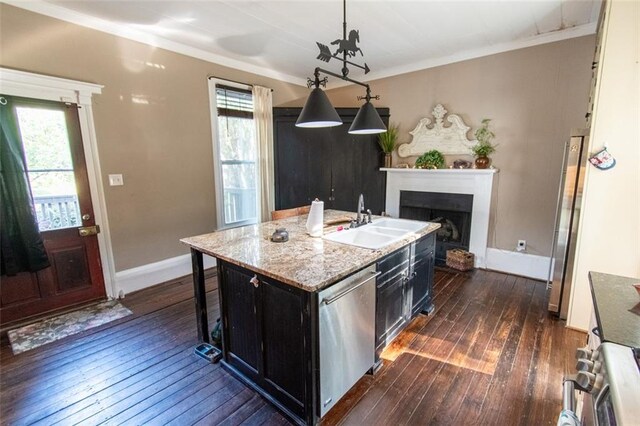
x=586 y=380
x=584 y=364
x=583 y=353
x=255 y=281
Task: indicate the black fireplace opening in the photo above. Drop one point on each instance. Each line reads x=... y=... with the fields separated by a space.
x=452 y=211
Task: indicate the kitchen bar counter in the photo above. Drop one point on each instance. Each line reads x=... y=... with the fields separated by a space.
x=303 y=320
x=613 y=299
x=308 y=263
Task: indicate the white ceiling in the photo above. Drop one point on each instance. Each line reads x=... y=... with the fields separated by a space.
x=277 y=38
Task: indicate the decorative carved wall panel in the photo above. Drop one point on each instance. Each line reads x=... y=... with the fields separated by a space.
x=451 y=140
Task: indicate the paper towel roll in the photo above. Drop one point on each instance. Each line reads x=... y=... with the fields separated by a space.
x=315 y=221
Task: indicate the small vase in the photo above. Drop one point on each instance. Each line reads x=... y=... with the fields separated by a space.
x=483 y=162
x=387 y=160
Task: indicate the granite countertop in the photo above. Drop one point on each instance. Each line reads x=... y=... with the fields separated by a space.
x=304 y=262
x=613 y=298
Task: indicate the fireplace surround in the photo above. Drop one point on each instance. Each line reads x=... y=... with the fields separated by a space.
x=474 y=182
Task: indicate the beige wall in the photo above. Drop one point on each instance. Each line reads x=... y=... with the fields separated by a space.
x=163 y=147
x=534 y=97
x=609 y=233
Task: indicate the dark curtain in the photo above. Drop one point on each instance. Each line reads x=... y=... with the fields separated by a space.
x=22 y=249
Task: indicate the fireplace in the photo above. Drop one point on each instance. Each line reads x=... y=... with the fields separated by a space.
x=452 y=211
x=475 y=183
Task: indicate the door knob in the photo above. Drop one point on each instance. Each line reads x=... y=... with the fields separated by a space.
x=87 y=231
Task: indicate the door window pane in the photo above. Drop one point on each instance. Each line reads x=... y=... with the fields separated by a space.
x=49 y=166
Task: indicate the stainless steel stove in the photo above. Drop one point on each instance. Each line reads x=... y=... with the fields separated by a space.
x=610 y=379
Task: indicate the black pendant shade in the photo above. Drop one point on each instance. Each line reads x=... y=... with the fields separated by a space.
x=367 y=121
x=318 y=111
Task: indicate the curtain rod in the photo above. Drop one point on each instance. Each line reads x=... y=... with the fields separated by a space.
x=209 y=77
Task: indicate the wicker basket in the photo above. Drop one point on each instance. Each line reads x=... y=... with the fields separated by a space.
x=460 y=260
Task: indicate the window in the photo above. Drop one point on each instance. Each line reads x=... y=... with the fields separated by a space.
x=50 y=169
x=235 y=153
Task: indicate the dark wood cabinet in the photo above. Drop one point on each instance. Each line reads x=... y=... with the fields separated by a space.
x=266 y=336
x=270 y=330
x=240 y=320
x=390 y=297
x=403 y=289
x=420 y=285
x=327 y=163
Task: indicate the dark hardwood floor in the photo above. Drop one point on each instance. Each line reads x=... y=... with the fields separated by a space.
x=489 y=355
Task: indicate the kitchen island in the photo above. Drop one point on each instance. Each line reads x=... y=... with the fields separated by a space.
x=281 y=315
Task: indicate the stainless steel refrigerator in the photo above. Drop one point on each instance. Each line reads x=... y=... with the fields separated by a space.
x=567 y=221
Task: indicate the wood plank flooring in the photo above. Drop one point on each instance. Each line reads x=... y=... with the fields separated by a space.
x=489 y=355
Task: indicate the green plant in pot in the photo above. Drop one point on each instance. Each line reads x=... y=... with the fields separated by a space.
x=388 y=142
x=431 y=160
x=484 y=147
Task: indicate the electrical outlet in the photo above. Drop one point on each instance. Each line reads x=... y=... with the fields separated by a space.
x=522 y=245
x=116 y=180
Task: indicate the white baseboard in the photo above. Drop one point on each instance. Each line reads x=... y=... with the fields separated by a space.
x=524 y=264
x=141 y=277
x=144 y=276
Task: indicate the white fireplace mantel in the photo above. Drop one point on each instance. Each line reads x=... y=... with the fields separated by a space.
x=477 y=182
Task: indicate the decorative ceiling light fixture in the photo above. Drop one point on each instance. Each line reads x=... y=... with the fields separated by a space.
x=318 y=111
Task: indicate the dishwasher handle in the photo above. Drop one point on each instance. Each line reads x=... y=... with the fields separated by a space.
x=330 y=300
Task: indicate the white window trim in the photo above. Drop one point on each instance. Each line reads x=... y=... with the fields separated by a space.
x=37 y=86
x=217 y=167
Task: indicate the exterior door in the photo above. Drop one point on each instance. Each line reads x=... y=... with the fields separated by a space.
x=52 y=141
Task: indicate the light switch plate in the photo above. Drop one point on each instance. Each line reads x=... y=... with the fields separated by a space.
x=116 y=180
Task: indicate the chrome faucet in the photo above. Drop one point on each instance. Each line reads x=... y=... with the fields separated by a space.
x=360 y=220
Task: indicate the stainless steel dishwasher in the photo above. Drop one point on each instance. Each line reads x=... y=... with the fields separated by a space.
x=347 y=334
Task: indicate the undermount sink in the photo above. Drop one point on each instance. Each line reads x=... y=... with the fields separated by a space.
x=378 y=234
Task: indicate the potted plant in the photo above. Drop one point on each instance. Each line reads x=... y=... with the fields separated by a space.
x=483 y=148
x=431 y=160
x=388 y=142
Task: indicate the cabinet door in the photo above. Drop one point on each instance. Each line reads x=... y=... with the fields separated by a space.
x=420 y=285
x=283 y=344
x=327 y=163
x=390 y=296
x=240 y=333
x=319 y=166
x=291 y=160
x=345 y=168
x=390 y=309
x=355 y=170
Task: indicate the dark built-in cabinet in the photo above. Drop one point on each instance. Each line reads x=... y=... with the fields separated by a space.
x=270 y=329
x=327 y=163
x=266 y=329
x=403 y=289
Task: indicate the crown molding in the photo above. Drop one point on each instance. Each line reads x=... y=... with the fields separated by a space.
x=126 y=31
x=551 y=37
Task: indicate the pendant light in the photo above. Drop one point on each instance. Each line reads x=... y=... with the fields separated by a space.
x=367 y=121
x=318 y=111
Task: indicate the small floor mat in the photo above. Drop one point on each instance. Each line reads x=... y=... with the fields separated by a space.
x=51 y=329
